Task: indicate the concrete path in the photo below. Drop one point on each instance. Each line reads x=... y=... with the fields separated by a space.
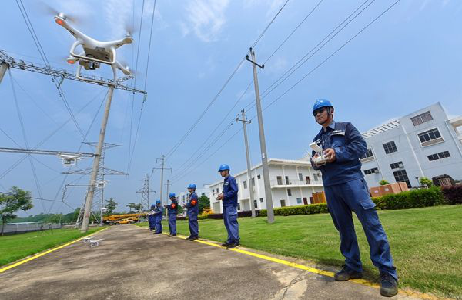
x=132 y=263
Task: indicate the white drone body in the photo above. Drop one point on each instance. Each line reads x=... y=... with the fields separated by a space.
x=94 y=52
x=69 y=160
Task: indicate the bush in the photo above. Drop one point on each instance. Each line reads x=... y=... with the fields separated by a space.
x=297 y=210
x=383 y=182
x=453 y=194
x=411 y=199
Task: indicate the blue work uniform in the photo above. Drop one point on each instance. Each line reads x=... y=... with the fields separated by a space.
x=193 y=212
x=172 y=212
x=152 y=220
x=230 y=191
x=158 y=218
x=347 y=192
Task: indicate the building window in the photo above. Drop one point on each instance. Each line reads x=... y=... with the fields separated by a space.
x=316 y=177
x=401 y=176
x=371 y=171
x=430 y=137
x=261 y=200
x=300 y=176
x=307 y=180
x=396 y=165
x=437 y=156
x=283 y=203
x=289 y=192
x=422 y=118
x=287 y=180
x=255 y=203
x=299 y=200
x=390 y=147
x=253 y=181
x=368 y=154
x=258 y=176
x=244 y=183
x=238 y=206
x=279 y=179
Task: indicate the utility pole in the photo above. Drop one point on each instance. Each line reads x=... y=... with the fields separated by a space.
x=264 y=156
x=145 y=192
x=168 y=188
x=94 y=172
x=247 y=156
x=162 y=168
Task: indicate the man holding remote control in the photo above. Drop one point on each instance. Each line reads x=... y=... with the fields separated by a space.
x=346 y=191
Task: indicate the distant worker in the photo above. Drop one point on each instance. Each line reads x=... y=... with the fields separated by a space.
x=158 y=217
x=193 y=212
x=229 y=198
x=347 y=192
x=172 y=212
x=152 y=218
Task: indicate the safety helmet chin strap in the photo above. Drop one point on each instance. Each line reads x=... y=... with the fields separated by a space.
x=330 y=112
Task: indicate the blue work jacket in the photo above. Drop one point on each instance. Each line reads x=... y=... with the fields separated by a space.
x=172 y=208
x=230 y=190
x=193 y=204
x=158 y=212
x=348 y=145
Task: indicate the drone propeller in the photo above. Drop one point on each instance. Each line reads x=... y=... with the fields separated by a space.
x=48 y=10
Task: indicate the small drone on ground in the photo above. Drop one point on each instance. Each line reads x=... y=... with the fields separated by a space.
x=94 y=52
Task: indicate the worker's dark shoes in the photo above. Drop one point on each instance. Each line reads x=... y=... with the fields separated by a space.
x=347 y=274
x=388 y=285
x=193 y=238
x=225 y=244
x=232 y=245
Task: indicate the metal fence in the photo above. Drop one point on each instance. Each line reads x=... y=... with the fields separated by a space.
x=15 y=228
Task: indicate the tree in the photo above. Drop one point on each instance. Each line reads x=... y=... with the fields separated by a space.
x=134 y=207
x=110 y=206
x=204 y=202
x=13 y=201
x=425 y=181
x=383 y=182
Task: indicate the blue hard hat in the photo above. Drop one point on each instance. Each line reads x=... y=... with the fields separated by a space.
x=321 y=103
x=192 y=186
x=223 y=168
x=158 y=201
x=171 y=195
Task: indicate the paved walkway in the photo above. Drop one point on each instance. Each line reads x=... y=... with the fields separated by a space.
x=132 y=263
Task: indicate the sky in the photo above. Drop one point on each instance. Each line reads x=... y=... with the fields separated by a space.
x=373 y=69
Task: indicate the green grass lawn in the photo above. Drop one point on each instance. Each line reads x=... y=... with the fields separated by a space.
x=426 y=243
x=14 y=247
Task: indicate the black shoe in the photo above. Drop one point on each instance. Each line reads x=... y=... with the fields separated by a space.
x=346 y=274
x=225 y=244
x=388 y=285
x=172 y=234
x=193 y=238
x=232 y=245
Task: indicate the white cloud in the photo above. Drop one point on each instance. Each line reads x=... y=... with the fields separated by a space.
x=118 y=14
x=206 y=18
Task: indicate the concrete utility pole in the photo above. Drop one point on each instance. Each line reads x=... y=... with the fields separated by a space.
x=168 y=188
x=264 y=156
x=162 y=168
x=247 y=156
x=145 y=191
x=94 y=172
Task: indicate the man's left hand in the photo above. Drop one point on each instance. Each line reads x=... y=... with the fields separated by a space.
x=220 y=196
x=329 y=154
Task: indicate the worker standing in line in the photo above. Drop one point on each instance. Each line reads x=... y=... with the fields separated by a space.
x=152 y=218
x=193 y=212
x=229 y=198
x=158 y=217
x=347 y=192
x=172 y=212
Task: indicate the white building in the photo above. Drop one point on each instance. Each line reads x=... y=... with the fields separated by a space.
x=183 y=196
x=293 y=182
x=422 y=144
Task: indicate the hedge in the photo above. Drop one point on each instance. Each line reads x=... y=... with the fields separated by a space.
x=298 y=210
x=453 y=194
x=411 y=199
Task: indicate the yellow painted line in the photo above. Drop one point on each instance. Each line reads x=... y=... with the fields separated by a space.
x=313 y=270
x=23 y=261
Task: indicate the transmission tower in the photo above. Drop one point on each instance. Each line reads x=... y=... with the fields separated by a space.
x=145 y=191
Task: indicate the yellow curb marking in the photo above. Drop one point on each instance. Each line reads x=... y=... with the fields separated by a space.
x=23 y=261
x=310 y=269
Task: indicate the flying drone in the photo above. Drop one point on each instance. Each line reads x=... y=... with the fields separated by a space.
x=94 y=52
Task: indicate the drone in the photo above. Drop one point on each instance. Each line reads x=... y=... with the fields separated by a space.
x=69 y=160
x=94 y=52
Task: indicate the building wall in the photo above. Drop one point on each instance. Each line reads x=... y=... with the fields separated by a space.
x=299 y=189
x=412 y=153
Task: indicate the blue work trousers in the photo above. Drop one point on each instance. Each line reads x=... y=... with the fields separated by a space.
x=231 y=224
x=354 y=195
x=159 y=224
x=193 y=225
x=152 y=222
x=172 y=224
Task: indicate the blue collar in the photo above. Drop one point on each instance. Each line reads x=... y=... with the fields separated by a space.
x=331 y=125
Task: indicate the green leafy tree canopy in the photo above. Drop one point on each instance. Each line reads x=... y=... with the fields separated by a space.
x=13 y=201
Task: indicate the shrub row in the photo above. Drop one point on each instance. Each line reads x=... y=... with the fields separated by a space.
x=411 y=199
x=453 y=194
x=298 y=210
